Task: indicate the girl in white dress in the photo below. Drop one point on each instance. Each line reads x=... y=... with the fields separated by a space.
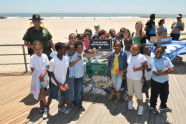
x=39 y=65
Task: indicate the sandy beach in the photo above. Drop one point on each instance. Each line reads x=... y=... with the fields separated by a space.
x=12 y=31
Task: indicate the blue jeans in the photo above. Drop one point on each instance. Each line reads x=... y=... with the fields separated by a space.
x=78 y=91
x=71 y=89
x=117 y=81
x=53 y=94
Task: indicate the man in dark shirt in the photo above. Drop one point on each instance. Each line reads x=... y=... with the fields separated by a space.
x=38 y=33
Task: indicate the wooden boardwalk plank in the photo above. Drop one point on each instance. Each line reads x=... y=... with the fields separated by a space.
x=17 y=106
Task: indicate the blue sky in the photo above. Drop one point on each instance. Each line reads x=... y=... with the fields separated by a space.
x=93 y=6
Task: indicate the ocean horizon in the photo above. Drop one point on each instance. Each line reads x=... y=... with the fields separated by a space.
x=75 y=15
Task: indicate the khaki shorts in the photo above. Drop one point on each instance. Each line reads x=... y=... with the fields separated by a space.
x=135 y=87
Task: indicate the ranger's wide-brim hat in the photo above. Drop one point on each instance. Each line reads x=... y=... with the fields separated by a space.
x=179 y=16
x=36 y=17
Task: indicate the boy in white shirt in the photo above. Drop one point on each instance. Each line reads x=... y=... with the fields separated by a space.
x=59 y=72
x=136 y=63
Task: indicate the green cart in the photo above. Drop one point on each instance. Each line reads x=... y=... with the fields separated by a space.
x=96 y=69
x=97 y=65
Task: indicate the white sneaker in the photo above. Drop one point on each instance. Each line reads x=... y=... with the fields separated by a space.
x=130 y=105
x=45 y=113
x=140 y=110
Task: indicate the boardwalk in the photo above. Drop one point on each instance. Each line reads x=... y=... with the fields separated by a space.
x=17 y=106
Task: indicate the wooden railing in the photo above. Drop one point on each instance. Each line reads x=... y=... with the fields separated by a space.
x=9 y=54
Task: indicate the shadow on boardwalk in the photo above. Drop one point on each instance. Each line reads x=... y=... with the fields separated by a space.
x=114 y=109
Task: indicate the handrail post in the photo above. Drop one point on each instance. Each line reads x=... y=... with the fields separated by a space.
x=24 y=55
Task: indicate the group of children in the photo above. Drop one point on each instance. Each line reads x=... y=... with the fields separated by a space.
x=142 y=32
x=128 y=64
x=64 y=75
x=136 y=65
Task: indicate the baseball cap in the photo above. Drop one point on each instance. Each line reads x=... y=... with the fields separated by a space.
x=96 y=25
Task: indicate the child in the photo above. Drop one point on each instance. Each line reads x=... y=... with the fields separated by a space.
x=126 y=34
x=127 y=44
x=86 y=41
x=148 y=73
x=120 y=36
x=39 y=64
x=86 y=44
x=77 y=63
x=89 y=32
x=136 y=63
x=159 y=85
x=122 y=30
x=102 y=34
x=59 y=73
x=112 y=34
x=71 y=50
x=72 y=38
x=117 y=65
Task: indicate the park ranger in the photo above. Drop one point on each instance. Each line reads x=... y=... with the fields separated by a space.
x=37 y=32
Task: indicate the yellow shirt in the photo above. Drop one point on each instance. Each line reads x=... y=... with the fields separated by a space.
x=115 y=64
